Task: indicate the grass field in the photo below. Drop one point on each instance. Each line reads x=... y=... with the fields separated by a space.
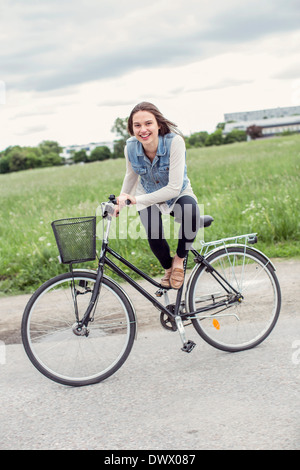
x=247 y=187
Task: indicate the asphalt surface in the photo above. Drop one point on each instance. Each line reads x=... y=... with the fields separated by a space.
x=162 y=398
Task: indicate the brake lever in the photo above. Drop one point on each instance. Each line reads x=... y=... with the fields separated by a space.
x=112 y=200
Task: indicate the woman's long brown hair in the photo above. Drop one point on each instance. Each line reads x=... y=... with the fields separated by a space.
x=166 y=126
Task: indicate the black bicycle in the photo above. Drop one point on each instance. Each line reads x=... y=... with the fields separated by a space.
x=78 y=328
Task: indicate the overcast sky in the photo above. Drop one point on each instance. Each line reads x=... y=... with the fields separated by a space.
x=69 y=68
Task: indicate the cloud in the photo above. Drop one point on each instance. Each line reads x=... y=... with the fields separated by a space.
x=250 y=21
x=288 y=73
x=56 y=44
x=224 y=83
x=32 y=130
x=35 y=112
x=70 y=68
x=115 y=102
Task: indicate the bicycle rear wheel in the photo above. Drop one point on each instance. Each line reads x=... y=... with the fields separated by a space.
x=55 y=345
x=241 y=325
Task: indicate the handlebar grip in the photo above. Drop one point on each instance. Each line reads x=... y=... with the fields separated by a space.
x=112 y=198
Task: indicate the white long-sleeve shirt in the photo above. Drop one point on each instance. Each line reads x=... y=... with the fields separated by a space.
x=132 y=185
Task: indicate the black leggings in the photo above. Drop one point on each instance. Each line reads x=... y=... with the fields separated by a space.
x=186 y=212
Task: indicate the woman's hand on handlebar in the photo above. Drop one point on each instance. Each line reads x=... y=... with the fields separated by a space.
x=123 y=198
x=122 y=201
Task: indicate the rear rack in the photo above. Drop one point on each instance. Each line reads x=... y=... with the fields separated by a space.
x=206 y=247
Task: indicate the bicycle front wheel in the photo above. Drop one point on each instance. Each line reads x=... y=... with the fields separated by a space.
x=243 y=324
x=58 y=348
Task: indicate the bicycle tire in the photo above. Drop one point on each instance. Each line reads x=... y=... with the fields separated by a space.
x=245 y=324
x=58 y=350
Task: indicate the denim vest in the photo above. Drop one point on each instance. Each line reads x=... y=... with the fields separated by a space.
x=153 y=175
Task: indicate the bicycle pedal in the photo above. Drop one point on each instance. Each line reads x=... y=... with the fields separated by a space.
x=188 y=346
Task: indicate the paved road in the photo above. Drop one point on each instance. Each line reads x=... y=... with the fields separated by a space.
x=162 y=398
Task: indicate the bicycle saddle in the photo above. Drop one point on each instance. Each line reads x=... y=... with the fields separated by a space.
x=206 y=220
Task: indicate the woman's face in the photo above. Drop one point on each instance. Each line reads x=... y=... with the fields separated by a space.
x=145 y=128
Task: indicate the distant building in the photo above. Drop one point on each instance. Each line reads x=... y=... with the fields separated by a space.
x=70 y=149
x=263 y=114
x=272 y=121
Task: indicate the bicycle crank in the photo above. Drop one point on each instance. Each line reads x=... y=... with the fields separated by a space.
x=188 y=345
x=167 y=322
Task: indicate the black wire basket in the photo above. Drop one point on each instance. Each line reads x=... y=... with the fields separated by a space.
x=76 y=239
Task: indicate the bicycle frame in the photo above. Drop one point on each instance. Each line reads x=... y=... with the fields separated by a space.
x=104 y=260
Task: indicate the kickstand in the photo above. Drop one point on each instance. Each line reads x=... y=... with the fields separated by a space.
x=188 y=345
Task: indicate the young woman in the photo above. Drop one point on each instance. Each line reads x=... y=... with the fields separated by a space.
x=156 y=181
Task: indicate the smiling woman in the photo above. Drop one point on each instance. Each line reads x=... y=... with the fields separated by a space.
x=156 y=180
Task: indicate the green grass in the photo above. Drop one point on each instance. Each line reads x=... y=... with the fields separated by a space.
x=247 y=187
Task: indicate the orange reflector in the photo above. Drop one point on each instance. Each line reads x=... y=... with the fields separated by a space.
x=216 y=324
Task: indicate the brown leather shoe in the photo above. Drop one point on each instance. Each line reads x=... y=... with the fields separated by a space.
x=165 y=281
x=177 y=278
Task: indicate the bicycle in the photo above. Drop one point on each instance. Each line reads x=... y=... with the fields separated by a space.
x=79 y=327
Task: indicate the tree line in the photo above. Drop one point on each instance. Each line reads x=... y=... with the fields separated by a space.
x=16 y=158
x=48 y=153
x=204 y=139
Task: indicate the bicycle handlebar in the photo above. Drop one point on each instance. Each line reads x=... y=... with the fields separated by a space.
x=112 y=200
